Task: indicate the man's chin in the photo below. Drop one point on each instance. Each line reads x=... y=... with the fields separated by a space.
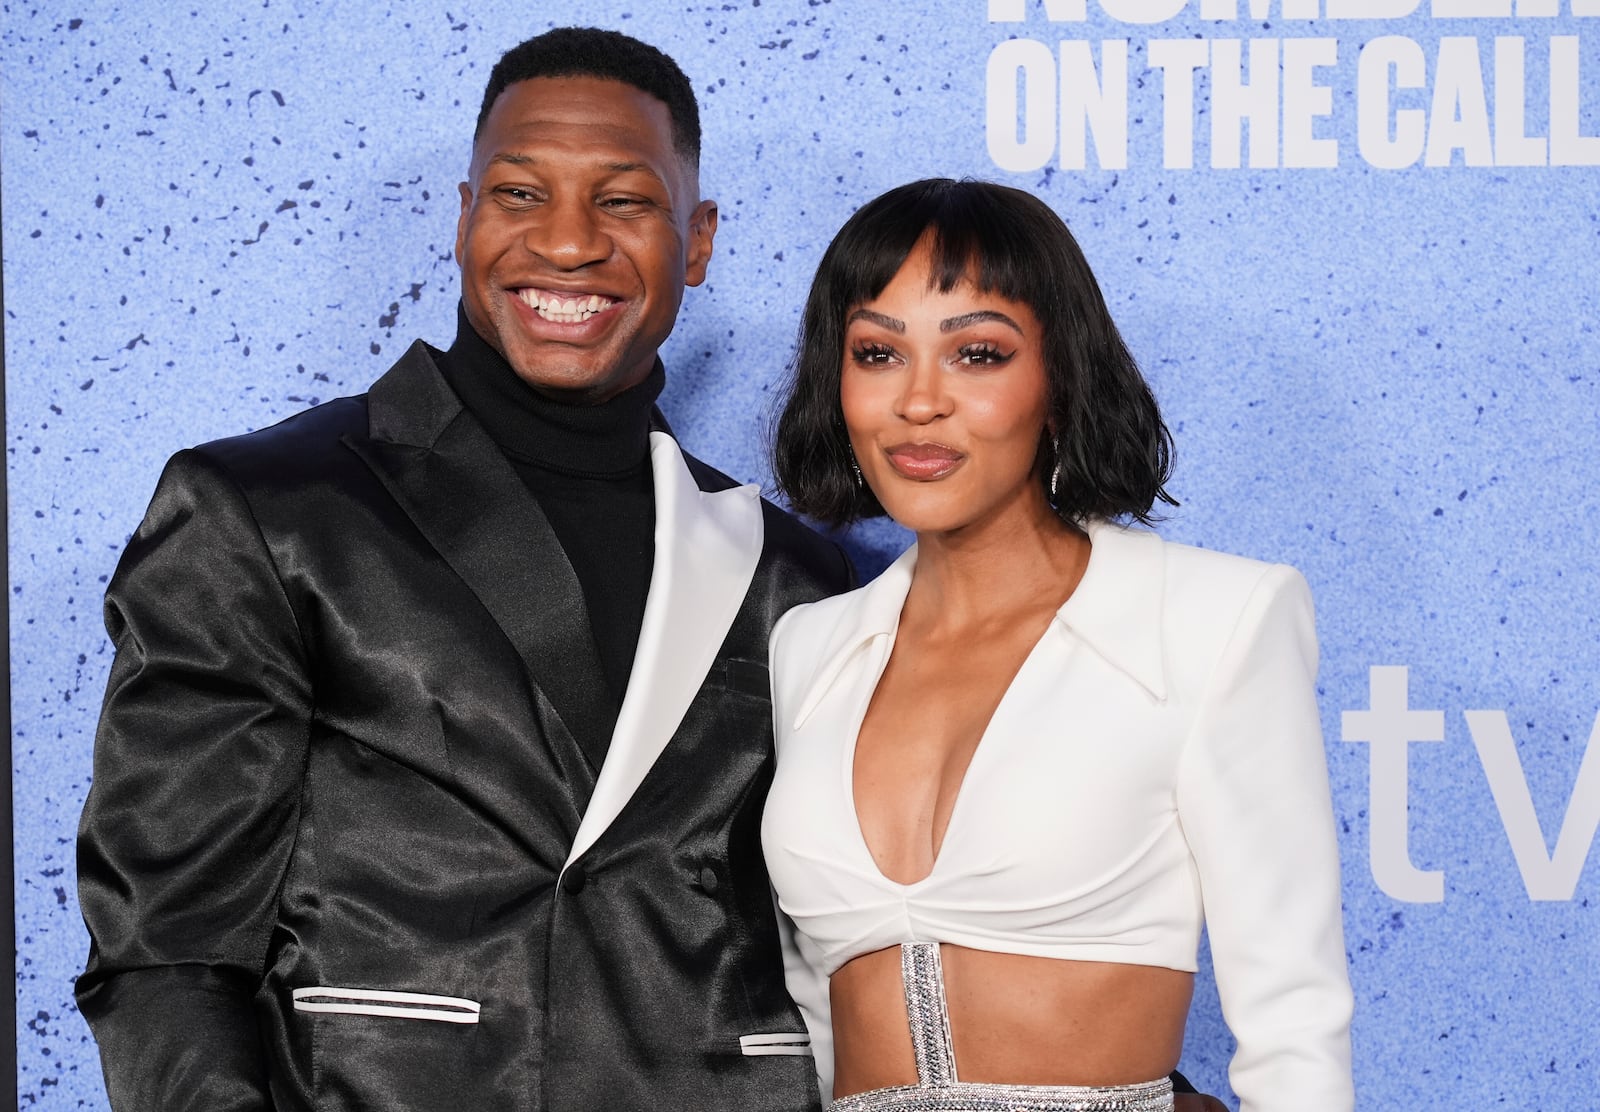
x=570 y=381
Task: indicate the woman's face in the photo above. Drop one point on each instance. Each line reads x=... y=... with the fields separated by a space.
x=945 y=399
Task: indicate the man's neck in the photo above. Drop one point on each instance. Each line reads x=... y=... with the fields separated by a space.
x=605 y=439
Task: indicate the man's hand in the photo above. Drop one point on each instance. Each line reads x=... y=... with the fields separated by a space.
x=1196 y=1102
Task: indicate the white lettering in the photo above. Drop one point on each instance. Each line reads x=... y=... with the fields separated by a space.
x=1547 y=876
x=1512 y=145
x=1378 y=58
x=1056 y=11
x=1143 y=11
x=1390 y=727
x=1568 y=145
x=1459 y=118
x=1259 y=9
x=1177 y=59
x=1033 y=63
x=1235 y=101
x=1090 y=104
x=1304 y=101
x=1371 y=9
x=1501 y=9
x=1471 y=9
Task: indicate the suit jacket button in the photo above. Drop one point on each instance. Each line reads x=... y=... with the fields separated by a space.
x=573 y=880
x=708 y=879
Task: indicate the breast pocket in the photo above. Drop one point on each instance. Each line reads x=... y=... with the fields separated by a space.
x=743 y=705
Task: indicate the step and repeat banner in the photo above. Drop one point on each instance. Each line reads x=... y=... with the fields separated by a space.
x=1352 y=243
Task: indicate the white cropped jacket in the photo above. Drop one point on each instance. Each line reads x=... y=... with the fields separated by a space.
x=1155 y=764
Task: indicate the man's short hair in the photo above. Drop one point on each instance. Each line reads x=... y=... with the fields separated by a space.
x=593 y=52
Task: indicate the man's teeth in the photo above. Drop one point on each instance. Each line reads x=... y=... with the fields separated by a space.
x=566 y=310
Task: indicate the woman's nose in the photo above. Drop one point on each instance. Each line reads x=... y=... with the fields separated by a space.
x=923 y=397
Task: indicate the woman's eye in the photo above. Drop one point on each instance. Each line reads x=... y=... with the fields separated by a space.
x=872 y=355
x=983 y=355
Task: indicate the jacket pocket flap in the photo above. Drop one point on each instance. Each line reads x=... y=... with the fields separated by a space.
x=776 y=1042
x=384 y=1002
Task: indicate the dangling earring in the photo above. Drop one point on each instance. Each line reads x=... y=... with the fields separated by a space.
x=855 y=468
x=1055 y=467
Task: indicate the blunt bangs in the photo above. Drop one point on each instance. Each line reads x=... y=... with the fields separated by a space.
x=975 y=237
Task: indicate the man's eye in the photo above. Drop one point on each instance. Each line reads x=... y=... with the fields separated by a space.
x=624 y=202
x=872 y=355
x=984 y=355
x=515 y=193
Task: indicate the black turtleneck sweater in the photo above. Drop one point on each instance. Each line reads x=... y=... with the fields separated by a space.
x=589 y=469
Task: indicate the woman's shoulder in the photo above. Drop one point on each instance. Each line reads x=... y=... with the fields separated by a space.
x=1190 y=574
x=1232 y=587
x=1192 y=602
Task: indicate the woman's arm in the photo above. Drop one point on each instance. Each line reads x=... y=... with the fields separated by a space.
x=1256 y=810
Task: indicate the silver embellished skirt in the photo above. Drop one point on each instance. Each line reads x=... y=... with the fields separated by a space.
x=938 y=1089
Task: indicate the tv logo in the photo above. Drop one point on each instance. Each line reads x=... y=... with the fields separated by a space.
x=1390 y=726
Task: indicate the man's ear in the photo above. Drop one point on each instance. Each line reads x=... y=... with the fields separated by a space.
x=702 y=230
x=465 y=189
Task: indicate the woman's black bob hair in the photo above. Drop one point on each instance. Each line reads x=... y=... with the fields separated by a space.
x=1115 y=451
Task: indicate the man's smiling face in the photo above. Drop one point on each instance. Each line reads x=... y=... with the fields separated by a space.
x=580 y=226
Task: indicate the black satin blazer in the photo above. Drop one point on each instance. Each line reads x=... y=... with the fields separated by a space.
x=342 y=850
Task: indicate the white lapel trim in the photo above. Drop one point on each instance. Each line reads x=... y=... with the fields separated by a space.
x=707 y=547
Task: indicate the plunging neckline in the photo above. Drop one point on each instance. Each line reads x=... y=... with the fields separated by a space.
x=978 y=750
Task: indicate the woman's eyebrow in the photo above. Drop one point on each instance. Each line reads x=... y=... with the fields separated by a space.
x=879 y=319
x=953 y=324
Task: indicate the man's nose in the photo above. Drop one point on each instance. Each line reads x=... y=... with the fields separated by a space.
x=566 y=233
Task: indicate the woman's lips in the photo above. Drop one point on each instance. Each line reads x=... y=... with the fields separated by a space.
x=924 y=462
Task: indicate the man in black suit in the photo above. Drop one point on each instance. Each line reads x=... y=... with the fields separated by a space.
x=434 y=751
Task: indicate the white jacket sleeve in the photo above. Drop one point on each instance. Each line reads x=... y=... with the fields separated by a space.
x=809 y=988
x=802 y=966
x=1256 y=810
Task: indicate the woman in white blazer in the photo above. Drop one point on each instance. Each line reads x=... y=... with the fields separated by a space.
x=1018 y=771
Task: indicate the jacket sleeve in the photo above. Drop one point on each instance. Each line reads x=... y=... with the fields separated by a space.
x=189 y=823
x=802 y=965
x=1255 y=805
x=808 y=987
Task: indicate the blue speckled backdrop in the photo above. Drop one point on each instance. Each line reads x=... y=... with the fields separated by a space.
x=216 y=215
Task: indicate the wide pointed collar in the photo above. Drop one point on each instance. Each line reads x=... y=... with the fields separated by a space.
x=1117 y=607
x=1115 y=610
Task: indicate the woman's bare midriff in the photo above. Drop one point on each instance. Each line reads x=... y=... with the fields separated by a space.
x=1013 y=1020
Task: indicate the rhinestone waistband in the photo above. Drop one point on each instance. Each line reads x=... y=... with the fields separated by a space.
x=939 y=1090
x=977 y=1096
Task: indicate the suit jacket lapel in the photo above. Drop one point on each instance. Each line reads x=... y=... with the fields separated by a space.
x=707 y=545
x=458 y=489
